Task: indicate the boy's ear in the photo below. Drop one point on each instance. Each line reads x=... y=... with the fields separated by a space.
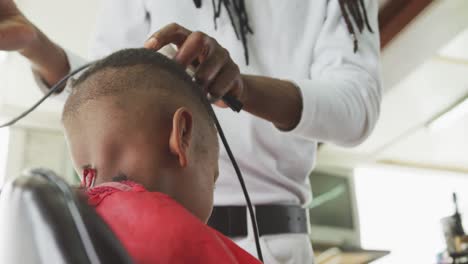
x=181 y=135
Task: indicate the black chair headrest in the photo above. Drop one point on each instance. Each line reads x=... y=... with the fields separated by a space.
x=43 y=220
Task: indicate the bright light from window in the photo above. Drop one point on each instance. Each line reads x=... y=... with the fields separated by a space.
x=400 y=210
x=4 y=136
x=449 y=118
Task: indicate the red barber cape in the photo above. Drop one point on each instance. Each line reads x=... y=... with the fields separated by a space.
x=156 y=229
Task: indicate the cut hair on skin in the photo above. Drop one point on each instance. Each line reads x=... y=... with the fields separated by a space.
x=147 y=70
x=130 y=74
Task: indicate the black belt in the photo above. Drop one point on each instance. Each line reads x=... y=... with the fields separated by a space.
x=271 y=219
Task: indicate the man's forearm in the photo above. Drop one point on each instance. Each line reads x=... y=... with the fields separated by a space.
x=47 y=58
x=275 y=100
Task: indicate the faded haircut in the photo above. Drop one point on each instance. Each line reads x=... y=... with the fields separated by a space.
x=135 y=69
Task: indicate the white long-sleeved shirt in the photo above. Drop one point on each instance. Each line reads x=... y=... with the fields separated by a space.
x=304 y=41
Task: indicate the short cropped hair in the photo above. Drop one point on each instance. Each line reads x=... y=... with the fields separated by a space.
x=151 y=66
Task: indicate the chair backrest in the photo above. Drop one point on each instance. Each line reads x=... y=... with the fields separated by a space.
x=43 y=220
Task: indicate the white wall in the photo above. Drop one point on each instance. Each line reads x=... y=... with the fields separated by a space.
x=68 y=23
x=32 y=148
x=38 y=140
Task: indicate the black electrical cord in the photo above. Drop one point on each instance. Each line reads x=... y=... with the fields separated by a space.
x=52 y=90
x=233 y=103
x=253 y=218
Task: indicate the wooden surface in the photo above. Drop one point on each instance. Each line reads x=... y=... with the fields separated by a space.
x=396 y=15
x=329 y=254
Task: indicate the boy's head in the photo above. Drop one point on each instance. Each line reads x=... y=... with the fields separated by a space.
x=136 y=114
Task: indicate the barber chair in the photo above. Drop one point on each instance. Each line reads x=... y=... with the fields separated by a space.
x=43 y=220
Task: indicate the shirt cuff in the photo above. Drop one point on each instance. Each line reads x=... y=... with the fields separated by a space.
x=74 y=61
x=309 y=103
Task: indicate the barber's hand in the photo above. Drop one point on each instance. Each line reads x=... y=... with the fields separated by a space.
x=214 y=69
x=16 y=32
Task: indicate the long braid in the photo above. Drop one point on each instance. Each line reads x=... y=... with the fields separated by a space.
x=356 y=10
x=357 y=13
x=349 y=25
x=237 y=15
x=244 y=27
x=216 y=12
x=352 y=11
x=364 y=11
x=232 y=17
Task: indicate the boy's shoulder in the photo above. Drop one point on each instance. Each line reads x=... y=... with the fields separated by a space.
x=154 y=228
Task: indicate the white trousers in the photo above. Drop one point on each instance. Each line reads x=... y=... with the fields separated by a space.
x=279 y=249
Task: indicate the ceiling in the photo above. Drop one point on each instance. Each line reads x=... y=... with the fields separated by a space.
x=425 y=71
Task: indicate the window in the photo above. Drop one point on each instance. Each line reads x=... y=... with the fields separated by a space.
x=400 y=210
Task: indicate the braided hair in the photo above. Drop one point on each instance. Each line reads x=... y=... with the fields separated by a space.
x=352 y=10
